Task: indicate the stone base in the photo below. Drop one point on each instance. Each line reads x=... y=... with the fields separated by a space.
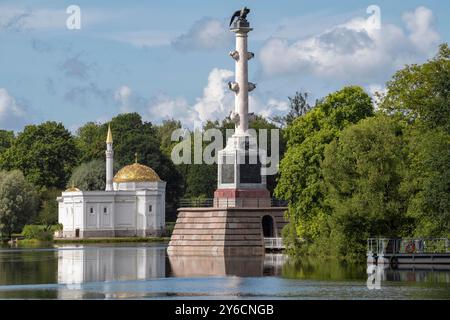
x=242 y=198
x=83 y=234
x=223 y=231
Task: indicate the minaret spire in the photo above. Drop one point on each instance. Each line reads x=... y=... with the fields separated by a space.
x=109 y=160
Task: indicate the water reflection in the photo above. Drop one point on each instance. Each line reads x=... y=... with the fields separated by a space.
x=94 y=264
x=144 y=271
x=79 y=265
x=242 y=266
x=377 y=274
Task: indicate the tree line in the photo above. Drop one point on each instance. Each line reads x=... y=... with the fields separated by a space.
x=352 y=171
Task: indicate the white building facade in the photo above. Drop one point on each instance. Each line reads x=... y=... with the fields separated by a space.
x=133 y=204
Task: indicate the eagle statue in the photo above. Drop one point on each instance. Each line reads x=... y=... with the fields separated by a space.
x=240 y=14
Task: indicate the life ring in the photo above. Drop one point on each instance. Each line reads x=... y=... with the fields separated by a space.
x=393 y=261
x=410 y=247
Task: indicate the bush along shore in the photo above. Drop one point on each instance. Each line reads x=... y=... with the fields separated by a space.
x=40 y=235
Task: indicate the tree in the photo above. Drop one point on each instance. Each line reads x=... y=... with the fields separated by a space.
x=165 y=131
x=363 y=171
x=427 y=181
x=301 y=180
x=90 y=176
x=298 y=106
x=18 y=202
x=6 y=139
x=90 y=140
x=48 y=214
x=45 y=153
x=421 y=93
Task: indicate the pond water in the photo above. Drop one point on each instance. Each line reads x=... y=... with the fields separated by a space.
x=144 y=271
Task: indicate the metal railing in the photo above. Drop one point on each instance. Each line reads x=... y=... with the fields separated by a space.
x=382 y=246
x=274 y=243
x=232 y=202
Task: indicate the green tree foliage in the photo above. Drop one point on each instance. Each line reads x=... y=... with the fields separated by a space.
x=298 y=106
x=427 y=182
x=362 y=171
x=422 y=92
x=48 y=214
x=90 y=140
x=6 y=139
x=45 y=153
x=89 y=176
x=165 y=135
x=18 y=202
x=301 y=180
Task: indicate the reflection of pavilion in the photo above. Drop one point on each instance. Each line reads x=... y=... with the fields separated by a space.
x=81 y=264
x=243 y=266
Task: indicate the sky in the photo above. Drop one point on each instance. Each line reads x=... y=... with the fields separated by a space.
x=169 y=59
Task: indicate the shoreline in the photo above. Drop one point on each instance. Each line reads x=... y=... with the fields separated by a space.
x=25 y=242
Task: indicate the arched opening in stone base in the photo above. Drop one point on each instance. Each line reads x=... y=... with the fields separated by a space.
x=268 y=227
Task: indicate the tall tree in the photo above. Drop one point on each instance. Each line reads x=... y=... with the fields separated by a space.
x=422 y=92
x=6 y=139
x=18 y=202
x=426 y=181
x=90 y=140
x=165 y=131
x=301 y=180
x=363 y=173
x=90 y=176
x=298 y=106
x=45 y=153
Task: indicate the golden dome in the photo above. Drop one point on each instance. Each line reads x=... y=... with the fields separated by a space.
x=136 y=172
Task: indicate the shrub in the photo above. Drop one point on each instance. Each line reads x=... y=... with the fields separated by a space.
x=37 y=232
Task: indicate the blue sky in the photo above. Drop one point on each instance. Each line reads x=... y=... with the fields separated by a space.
x=169 y=59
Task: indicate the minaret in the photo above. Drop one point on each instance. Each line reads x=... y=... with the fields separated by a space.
x=109 y=160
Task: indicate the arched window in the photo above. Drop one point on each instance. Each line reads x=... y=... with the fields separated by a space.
x=268 y=227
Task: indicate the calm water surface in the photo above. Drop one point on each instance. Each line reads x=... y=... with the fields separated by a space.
x=143 y=271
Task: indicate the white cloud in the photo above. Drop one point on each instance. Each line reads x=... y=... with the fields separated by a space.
x=122 y=96
x=421 y=25
x=12 y=115
x=165 y=107
x=216 y=99
x=354 y=51
x=216 y=103
x=207 y=33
